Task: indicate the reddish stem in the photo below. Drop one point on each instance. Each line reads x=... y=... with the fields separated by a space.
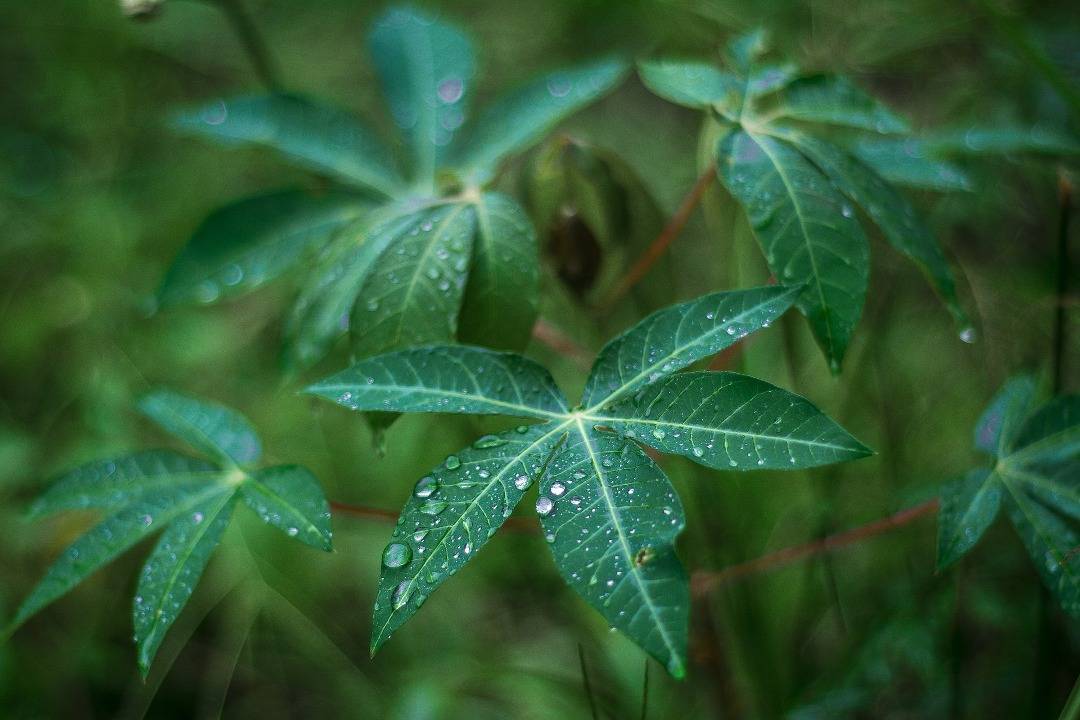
x=561 y=343
x=704 y=581
x=662 y=241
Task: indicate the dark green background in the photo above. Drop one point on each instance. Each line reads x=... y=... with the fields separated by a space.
x=96 y=196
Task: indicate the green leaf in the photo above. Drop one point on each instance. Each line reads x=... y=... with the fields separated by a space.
x=245 y=245
x=450 y=515
x=1051 y=544
x=519 y=119
x=414 y=295
x=996 y=431
x=898 y=220
x=674 y=337
x=446 y=379
x=1051 y=434
x=108 y=539
x=835 y=100
x=1004 y=141
x=426 y=70
x=208 y=427
x=118 y=481
x=691 y=84
x=319 y=137
x=910 y=162
x=173 y=569
x=289 y=498
x=503 y=291
x=321 y=313
x=730 y=421
x=805 y=228
x=611 y=518
x=968 y=508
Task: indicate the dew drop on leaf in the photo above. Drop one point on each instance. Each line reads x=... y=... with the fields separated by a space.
x=396 y=555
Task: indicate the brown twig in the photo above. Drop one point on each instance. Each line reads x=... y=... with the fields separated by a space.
x=703 y=581
x=671 y=231
x=547 y=334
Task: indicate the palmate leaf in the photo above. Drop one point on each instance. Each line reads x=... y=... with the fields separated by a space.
x=190 y=500
x=798 y=191
x=426 y=69
x=806 y=229
x=609 y=512
x=320 y=137
x=1036 y=476
x=245 y=245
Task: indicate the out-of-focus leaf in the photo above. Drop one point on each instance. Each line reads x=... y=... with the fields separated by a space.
x=207 y=426
x=289 y=498
x=319 y=137
x=426 y=70
x=1052 y=545
x=692 y=84
x=519 y=119
x=457 y=379
x=968 y=507
x=835 y=100
x=244 y=245
x=996 y=430
x=503 y=290
x=414 y=294
x=119 y=481
x=111 y=537
x=1051 y=434
x=173 y=570
x=730 y=421
x=320 y=314
x=806 y=229
x=1003 y=141
x=910 y=162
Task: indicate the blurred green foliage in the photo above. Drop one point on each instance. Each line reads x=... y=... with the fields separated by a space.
x=97 y=196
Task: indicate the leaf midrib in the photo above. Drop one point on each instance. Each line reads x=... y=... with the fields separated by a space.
x=632 y=567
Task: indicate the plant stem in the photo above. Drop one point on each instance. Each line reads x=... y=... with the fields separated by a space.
x=704 y=581
x=560 y=342
x=658 y=246
x=252 y=41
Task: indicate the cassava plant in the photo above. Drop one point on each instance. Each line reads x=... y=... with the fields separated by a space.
x=608 y=512
x=1035 y=449
x=430 y=255
x=771 y=133
x=190 y=500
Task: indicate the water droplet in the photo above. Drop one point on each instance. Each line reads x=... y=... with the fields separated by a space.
x=522 y=482
x=401 y=595
x=698 y=452
x=450 y=90
x=557 y=489
x=419 y=535
x=433 y=507
x=522 y=429
x=396 y=555
x=292 y=532
x=544 y=506
x=658 y=434
x=969 y=335
x=559 y=86
x=488 y=441
x=425 y=487
x=453 y=462
x=846 y=210
x=197 y=518
x=147 y=520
